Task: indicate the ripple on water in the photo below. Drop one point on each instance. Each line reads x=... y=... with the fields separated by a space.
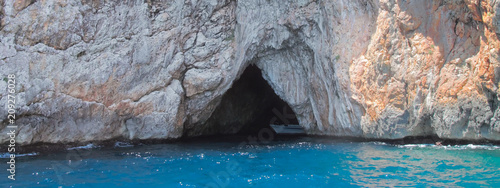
x=276 y=164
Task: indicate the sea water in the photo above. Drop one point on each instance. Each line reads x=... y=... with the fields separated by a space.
x=298 y=162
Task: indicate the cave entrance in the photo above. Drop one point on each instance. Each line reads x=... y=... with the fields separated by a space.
x=250 y=106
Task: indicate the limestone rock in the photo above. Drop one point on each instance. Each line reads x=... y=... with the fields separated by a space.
x=99 y=70
x=198 y=81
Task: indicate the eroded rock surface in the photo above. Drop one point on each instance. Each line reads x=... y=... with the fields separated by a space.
x=90 y=70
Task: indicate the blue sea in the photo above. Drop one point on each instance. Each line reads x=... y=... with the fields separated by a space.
x=294 y=162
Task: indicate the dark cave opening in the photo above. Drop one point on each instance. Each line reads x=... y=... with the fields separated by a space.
x=250 y=106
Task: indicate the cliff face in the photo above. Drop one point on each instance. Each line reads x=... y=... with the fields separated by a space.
x=89 y=70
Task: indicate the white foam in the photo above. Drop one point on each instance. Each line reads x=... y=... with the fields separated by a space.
x=452 y=147
x=416 y=146
x=472 y=146
x=88 y=146
x=7 y=155
x=380 y=143
x=122 y=144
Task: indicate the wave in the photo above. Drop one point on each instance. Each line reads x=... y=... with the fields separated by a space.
x=379 y=143
x=122 y=145
x=88 y=146
x=451 y=147
x=7 y=155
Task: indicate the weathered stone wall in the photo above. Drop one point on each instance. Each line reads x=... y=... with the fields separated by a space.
x=155 y=69
x=431 y=68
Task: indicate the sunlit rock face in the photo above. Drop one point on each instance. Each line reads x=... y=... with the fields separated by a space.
x=93 y=70
x=430 y=68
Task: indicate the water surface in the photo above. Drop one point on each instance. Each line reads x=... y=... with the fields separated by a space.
x=300 y=162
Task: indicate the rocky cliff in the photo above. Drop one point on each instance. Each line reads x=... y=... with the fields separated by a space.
x=93 y=70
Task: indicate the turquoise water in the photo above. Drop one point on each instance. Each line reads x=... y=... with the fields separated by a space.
x=301 y=162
